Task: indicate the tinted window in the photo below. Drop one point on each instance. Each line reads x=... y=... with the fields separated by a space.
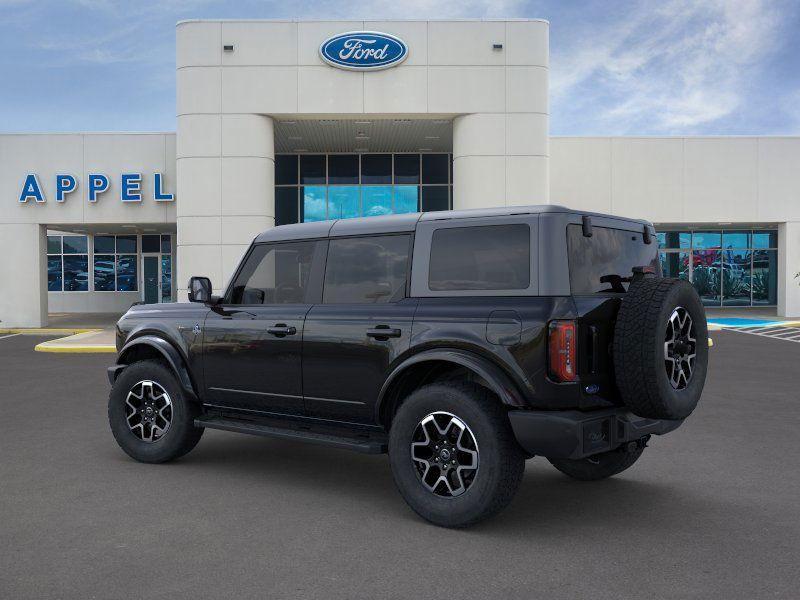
x=75 y=244
x=343 y=168
x=312 y=168
x=126 y=244
x=608 y=252
x=492 y=257
x=285 y=169
x=376 y=168
x=285 y=205
x=434 y=197
x=151 y=243
x=434 y=168
x=406 y=168
x=366 y=270
x=274 y=274
x=104 y=244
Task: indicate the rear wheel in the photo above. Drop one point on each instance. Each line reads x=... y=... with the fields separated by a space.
x=454 y=457
x=149 y=414
x=600 y=466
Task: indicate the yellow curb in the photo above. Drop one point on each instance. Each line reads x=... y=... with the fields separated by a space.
x=710 y=342
x=46 y=331
x=98 y=349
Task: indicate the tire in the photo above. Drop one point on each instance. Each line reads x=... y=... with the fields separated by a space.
x=478 y=421
x=653 y=312
x=599 y=466
x=152 y=381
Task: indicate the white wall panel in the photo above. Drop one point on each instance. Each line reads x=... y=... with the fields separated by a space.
x=260 y=43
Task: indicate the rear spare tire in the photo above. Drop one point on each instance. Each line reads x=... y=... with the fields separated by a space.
x=661 y=348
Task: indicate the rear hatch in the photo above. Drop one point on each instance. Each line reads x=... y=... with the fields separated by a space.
x=602 y=262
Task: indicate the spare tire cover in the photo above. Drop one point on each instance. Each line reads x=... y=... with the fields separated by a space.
x=661 y=348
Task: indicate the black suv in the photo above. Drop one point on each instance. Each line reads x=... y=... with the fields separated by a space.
x=461 y=343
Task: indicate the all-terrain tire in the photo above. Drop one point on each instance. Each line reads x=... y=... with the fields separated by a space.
x=181 y=435
x=500 y=460
x=645 y=322
x=599 y=466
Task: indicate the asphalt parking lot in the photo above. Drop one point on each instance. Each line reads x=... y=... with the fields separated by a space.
x=710 y=511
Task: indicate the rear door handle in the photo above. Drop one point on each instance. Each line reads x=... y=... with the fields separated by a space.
x=281 y=330
x=383 y=332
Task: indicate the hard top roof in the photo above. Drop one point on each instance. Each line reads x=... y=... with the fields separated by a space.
x=406 y=222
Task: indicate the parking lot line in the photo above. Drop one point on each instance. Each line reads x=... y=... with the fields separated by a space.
x=2 y=337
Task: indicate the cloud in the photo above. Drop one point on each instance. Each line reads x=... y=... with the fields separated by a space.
x=673 y=68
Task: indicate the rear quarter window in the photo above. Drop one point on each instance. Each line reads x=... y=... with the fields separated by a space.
x=607 y=253
x=490 y=257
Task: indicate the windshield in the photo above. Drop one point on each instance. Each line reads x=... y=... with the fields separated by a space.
x=604 y=263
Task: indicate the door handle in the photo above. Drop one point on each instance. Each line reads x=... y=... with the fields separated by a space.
x=383 y=332
x=281 y=330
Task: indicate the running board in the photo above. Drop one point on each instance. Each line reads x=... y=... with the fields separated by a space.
x=372 y=444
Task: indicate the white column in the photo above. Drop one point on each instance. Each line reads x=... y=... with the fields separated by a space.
x=23 y=276
x=788 y=266
x=500 y=160
x=226 y=177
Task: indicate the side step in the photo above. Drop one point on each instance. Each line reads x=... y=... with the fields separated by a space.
x=368 y=444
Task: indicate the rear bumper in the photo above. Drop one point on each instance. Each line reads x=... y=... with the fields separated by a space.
x=575 y=434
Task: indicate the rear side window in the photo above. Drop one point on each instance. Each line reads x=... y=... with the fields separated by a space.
x=367 y=270
x=608 y=255
x=491 y=257
x=274 y=274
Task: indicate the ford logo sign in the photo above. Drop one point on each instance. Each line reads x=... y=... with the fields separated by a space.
x=363 y=50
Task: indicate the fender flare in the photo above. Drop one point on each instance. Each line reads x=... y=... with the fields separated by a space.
x=499 y=382
x=174 y=359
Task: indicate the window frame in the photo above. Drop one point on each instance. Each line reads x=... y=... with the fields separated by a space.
x=62 y=254
x=117 y=255
x=420 y=272
x=313 y=293
x=393 y=300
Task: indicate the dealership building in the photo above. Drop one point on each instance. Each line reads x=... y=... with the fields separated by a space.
x=289 y=121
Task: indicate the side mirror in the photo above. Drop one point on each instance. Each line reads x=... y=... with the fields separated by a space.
x=199 y=289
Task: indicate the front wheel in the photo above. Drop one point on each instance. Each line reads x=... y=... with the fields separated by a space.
x=149 y=414
x=454 y=457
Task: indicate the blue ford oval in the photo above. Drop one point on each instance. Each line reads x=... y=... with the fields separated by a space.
x=363 y=50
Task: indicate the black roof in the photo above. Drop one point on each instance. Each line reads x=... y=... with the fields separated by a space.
x=405 y=222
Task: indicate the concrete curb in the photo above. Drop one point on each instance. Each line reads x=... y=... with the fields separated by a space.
x=88 y=349
x=46 y=331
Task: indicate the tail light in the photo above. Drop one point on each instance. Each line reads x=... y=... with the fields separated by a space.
x=561 y=350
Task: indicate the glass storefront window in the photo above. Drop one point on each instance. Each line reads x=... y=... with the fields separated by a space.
x=126 y=244
x=75 y=244
x=707 y=239
x=312 y=168
x=313 y=203
x=166 y=278
x=675 y=264
x=736 y=278
x=765 y=239
x=54 y=244
x=286 y=169
x=377 y=200
x=286 y=206
x=742 y=273
x=406 y=199
x=406 y=168
x=104 y=244
x=54 y=275
x=674 y=239
x=343 y=168
x=343 y=201
x=765 y=277
x=376 y=168
x=360 y=185
x=104 y=272
x=151 y=243
x=166 y=244
x=76 y=273
x=126 y=274
x=736 y=239
x=434 y=168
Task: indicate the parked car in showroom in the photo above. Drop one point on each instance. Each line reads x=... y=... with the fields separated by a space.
x=462 y=343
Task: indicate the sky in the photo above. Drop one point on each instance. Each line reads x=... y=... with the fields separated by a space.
x=617 y=67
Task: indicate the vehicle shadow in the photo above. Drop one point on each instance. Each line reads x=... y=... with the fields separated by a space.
x=547 y=503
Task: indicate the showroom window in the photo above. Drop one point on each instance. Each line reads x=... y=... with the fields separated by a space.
x=115 y=261
x=727 y=267
x=67 y=263
x=316 y=187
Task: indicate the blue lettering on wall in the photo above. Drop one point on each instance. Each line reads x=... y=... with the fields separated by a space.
x=158 y=195
x=65 y=184
x=131 y=188
x=31 y=190
x=98 y=183
x=363 y=50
